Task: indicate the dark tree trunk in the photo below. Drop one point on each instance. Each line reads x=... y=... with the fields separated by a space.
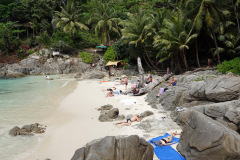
x=198 y=63
x=235 y=12
x=185 y=59
x=144 y=57
x=215 y=41
x=154 y=66
x=179 y=68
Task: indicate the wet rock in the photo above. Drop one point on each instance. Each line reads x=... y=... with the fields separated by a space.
x=116 y=148
x=27 y=130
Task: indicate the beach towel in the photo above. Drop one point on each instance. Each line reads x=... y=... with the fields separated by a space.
x=116 y=92
x=166 y=152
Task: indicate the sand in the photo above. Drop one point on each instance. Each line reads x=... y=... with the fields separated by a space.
x=75 y=122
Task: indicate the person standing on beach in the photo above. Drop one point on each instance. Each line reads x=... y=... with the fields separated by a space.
x=168 y=70
x=209 y=62
x=126 y=82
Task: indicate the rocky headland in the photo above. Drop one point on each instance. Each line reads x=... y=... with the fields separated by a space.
x=206 y=106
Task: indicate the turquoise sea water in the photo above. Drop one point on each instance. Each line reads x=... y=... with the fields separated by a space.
x=23 y=101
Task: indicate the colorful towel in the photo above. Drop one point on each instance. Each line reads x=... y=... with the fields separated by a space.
x=166 y=152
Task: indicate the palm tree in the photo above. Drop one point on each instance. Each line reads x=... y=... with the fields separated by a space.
x=137 y=28
x=206 y=13
x=230 y=41
x=173 y=40
x=45 y=41
x=68 y=19
x=104 y=19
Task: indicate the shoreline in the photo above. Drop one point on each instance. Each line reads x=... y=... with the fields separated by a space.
x=75 y=121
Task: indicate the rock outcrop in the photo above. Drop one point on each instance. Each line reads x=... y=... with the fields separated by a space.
x=204 y=138
x=27 y=130
x=219 y=89
x=36 y=65
x=108 y=115
x=116 y=148
x=94 y=74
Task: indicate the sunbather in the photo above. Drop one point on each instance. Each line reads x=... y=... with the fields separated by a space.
x=129 y=121
x=162 y=90
x=166 y=141
x=110 y=93
x=173 y=81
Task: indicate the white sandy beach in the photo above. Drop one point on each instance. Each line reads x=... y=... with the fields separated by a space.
x=75 y=123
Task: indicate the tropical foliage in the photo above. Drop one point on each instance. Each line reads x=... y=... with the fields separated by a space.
x=164 y=33
x=110 y=55
x=230 y=66
x=86 y=57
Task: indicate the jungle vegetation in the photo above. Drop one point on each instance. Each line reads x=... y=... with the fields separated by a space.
x=181 y=34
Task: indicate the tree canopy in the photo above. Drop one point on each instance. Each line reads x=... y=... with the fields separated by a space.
x=164 y=33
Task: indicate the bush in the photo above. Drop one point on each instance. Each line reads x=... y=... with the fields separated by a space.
x=86 y=57
x=109 y=55
x=230 y=66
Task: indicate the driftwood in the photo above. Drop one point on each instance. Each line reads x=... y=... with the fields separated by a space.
x=153 y=84
x=147 y=88
x=141 y=72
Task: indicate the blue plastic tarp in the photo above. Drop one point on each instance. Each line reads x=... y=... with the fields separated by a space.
x=166 y=152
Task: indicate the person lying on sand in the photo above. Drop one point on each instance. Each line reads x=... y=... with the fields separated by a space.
x=129 y=121
x=166 y=141
x=110 y=93
x=109 y=89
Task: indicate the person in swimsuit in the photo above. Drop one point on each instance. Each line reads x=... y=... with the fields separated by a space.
x=166 y=141
x=110 y=93
x=129 y=121
x=172 y=82
x=126 y=82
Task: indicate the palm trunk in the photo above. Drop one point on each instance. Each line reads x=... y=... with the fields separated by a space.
x=198 y=63
x=154 y=66
x=235 y=12
x=178 y=65
x=215 y=41
x=185 y=60
x=144 y=57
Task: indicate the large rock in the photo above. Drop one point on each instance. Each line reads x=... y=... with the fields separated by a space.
x=175 y=96
x=116 y=148
x=128 y=72
x=94 y=74
x=3 y=69
x=204 y=138
x=27 y=130
x=146 y=114
x=107 y=116
x=219 y=89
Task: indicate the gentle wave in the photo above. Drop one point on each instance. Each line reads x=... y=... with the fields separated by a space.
x=65 y=84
